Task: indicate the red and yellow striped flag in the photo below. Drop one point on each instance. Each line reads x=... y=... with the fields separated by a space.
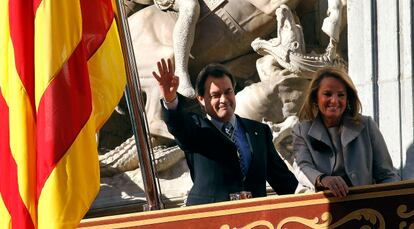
x=61 y=75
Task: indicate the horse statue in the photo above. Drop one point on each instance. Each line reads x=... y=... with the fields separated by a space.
x=224 y=32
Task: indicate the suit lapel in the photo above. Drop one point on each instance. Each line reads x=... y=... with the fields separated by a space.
x=318 y=132
x=350 y=130
x=251 y=132
x=206 y=123
x=232 y=155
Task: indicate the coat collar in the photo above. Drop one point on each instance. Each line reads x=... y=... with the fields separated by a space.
x=318 y=131
x=208 y=122
x=350 y=130
x=219 y=124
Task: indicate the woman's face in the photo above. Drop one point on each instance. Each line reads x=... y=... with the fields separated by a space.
x=331 y=100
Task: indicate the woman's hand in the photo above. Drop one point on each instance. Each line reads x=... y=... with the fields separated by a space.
x=167 y=81
x=336 y=185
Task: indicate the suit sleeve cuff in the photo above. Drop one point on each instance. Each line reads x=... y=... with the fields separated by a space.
x=170 y=105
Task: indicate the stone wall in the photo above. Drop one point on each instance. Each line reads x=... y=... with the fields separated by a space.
x=380 y=54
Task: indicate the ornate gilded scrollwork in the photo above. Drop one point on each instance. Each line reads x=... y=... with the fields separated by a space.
x=402 y=213
x=325 y=221
x=326 y=218
x=371 y=215
x=252 y=225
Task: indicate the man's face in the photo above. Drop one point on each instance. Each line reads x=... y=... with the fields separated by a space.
x=219 y=100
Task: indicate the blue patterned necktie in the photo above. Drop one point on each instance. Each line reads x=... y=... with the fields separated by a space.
x=229 y=130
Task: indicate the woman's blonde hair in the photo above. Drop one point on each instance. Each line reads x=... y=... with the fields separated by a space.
x=310 y=109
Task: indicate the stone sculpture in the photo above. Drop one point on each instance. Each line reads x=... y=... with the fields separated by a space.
x=223 y=34
x=333 y=24
x=183 y=38
x=289 y=50
x=274 y=100
x=132 y=6
x=125 y=158
x=284 y=72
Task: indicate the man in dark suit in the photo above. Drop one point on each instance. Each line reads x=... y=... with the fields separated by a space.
x=225 y=153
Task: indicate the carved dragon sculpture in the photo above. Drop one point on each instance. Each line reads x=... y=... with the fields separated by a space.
x=289 y=47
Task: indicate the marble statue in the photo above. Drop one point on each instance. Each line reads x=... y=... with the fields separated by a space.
x=183 y=38
x=223 y=33
x=288 y=48
x=334 y=24
x=132 y=6
x=125 y=158
x=284 y=72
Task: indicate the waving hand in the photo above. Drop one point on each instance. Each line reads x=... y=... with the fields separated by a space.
x=167 y=81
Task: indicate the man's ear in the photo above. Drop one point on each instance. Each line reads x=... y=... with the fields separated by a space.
x=201 y=100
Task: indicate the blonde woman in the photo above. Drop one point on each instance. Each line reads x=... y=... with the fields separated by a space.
x=335 y=146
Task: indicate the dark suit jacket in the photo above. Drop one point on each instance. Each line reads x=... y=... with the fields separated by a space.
x=214 y=164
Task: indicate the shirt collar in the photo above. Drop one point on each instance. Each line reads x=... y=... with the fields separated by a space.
x=218 y=124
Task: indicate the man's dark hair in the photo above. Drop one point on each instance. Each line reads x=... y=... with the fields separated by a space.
x=214 y=70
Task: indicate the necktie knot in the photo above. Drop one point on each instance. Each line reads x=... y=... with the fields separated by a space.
x=228 y=129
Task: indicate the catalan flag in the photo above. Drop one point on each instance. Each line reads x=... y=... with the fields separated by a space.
x=61 y=75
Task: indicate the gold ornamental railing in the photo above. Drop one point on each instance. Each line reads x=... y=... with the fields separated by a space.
x=374 y=206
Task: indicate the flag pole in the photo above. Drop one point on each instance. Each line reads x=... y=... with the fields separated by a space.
x=137 y=112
